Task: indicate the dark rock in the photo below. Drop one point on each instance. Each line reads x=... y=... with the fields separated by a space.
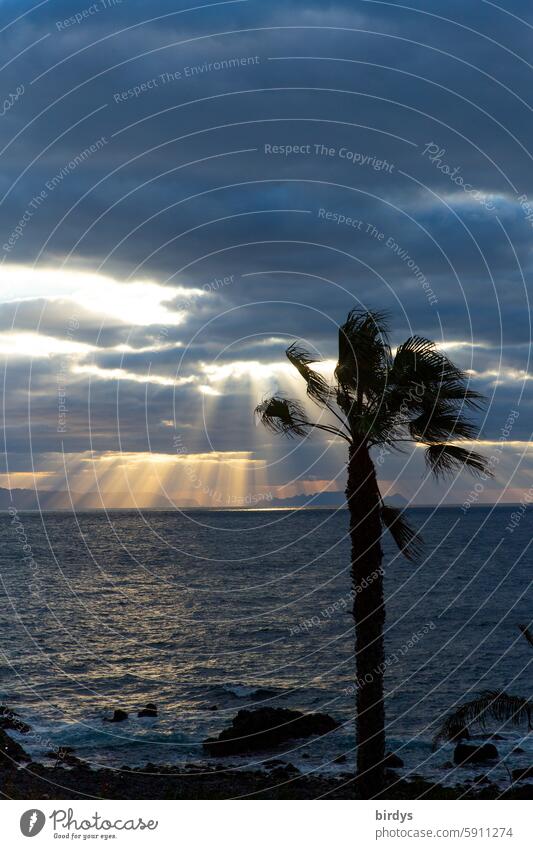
x=482 y=779
x=60 y=753
x=461 y=734
x=281 y=773
x=523 y=774
x=149 y=710
x=340 y=760
x=273 y=763
x=9 y=721
x=465 y=754
x=305 y=756
x=11 y=750
x=72 y=760
x=118 y=716
x=266 y=728
x=517 y=750
x=392 y=761
x=212 y=707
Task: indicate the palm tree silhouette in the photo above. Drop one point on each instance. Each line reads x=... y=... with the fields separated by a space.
x=490 y=705
x=379 y=400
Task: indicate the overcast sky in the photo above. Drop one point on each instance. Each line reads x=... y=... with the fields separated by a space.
x=187 y=188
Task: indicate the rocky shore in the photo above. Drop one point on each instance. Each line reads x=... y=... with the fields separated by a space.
x=69 y=777
x=35 y=781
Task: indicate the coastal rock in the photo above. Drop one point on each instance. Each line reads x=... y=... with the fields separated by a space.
x=149 y=710
x=11 y=750
x=64 y=755
x=118 y=716
x=10 y=722
x=341 y=759
x=60 y=752
x=523 y=774
x=465 y=754
x=266 y=728
x=282 y=773
x=392 y=761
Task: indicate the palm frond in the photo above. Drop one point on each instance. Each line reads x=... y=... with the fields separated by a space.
x=283 y=415
x=489 y=705
x=364 y=352
x=527 y=634
x=440 y=423
x=318 y=388
x=419 y=364
x=405 y=537
x=444 y=459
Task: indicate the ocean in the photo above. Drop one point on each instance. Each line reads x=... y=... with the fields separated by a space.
x=206 y=613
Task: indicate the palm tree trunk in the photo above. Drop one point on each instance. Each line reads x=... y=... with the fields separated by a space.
x=362 y=495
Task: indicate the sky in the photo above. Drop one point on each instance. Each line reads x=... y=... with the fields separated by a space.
x=187 y=188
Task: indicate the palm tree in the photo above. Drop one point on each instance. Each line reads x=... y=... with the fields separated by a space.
x=378 y=400
x=490 y=705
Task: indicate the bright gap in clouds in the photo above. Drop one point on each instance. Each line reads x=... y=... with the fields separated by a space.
x=140 y=302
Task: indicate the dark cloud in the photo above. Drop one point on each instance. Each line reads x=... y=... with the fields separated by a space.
x=157 y=155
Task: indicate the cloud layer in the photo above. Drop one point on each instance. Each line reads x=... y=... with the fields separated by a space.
x=185 y=191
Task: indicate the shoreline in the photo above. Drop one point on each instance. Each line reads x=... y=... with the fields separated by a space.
x=37 y=781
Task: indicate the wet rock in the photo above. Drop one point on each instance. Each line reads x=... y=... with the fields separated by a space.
x=118 y=716
x=65 y=755
x=9 y=723
x=60 y=753
x=212 y=707
x=149 y=710
x=9 y=720
x=517 y=750
x=282 y=773
x=465 y=754
x=11 y=750
x=340 y=760
x=392 y=761
x=523 y=774
x=267 y=728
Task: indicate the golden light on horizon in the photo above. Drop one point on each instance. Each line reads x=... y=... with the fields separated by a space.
x=123 y=480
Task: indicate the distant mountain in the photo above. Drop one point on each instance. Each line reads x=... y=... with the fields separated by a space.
x=319 y=499
x=27 y=499
x=328 y=499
